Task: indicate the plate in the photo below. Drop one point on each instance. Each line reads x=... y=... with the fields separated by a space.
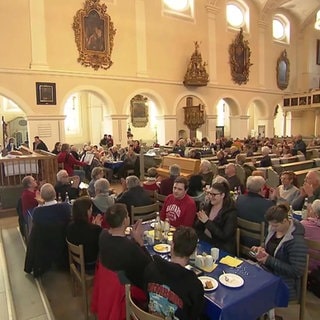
x=205 y=279
x=162 y=248
x=231 y=280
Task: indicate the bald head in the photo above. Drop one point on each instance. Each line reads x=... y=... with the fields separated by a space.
x=230 y=170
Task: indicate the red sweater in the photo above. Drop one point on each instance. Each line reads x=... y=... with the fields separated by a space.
x=28 y=200
x=69 y=162
x=179 y=211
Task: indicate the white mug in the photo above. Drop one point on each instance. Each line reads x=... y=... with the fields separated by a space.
x=199 y=261
x=215 y=253
x=208 y=261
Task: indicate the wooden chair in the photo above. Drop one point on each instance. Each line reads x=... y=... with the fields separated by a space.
x=78 y=273
x=313 y=249
x=144 y=212
x=238 y=242
x=151 y=194
x=133 y=312
x=159 y=197
x=301 y=301
x=251 y=230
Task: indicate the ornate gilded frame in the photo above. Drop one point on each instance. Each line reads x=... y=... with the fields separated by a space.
x=139 y=111
x=239 y=58
x=94 y=33
x=283 y=70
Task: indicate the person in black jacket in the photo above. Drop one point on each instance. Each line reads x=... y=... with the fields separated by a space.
x=217 y=223
x=82 y=231
x=174 y=291
x=38 y=144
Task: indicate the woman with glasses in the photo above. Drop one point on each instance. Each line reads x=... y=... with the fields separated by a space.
x=217 y=222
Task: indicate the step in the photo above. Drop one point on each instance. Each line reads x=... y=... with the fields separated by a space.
x=24 y=295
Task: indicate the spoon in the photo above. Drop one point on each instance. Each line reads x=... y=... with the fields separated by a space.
x=226 y=278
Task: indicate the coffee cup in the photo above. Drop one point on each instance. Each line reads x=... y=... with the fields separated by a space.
x=215 y=253
x=199 y=261
x=208 y=261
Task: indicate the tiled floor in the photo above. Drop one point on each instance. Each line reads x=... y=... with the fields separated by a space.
x=57 y=288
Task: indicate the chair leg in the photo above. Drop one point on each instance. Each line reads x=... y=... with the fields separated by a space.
x=85 y=301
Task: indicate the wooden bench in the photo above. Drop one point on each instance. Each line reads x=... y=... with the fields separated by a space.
x=301 y=174
x=188 y=166
x=294 y=166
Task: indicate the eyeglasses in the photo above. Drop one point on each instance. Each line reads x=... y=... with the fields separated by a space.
x=214 y=194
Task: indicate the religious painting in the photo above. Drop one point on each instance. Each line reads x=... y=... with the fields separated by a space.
x=239 y=57
x=94 y=35
x=46 y=93
x=283 y=70
x=139 y=111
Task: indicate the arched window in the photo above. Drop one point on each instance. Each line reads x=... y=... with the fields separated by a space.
x=238 y=15
x=71 y=110
x=281 y=29
x=179 y=8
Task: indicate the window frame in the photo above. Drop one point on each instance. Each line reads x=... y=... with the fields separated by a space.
x=244 y=9
x=284 y=21
x=185 y=14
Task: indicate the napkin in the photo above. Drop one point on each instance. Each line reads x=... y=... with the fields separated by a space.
x=209 y=269
x=231 y=261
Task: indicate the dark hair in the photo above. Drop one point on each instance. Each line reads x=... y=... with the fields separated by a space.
x=185 y=241
x=277 y=213
x=183 y=180
x=195 y=185
x=80 y=209
x=292 y=176
x=56 y=144
x=65 y=147
x=223 y=187
x=116 y=214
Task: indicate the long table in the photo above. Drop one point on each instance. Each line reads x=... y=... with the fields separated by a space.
x=261 y=291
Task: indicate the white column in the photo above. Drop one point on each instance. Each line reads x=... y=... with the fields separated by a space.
x=284 y=123
x=38 y=35
x=118 y=125
x=211 y=127
x=262 y=28
x=168 y=130
x=212 y=11
x=49 y=128
x=141 y=43
x=317 y=122
x=239 y=126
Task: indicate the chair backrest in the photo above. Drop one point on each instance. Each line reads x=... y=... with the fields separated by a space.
x=76 y=261
x=303 y=291
x=249 y=229
x=313 y=250
x=133 y=312
x=151 y=194
x=160 y=198
x=144 y=212
x=241 y=174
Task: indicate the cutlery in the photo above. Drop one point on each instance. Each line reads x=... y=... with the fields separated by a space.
x=225 y=276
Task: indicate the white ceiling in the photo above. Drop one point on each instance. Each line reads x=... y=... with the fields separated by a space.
x=302 y=10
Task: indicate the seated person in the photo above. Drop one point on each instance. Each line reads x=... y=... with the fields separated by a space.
x=179 y=207
x=117 y=252
x=217 y=222
x=310 y=190
x=102 y=201
x=222 y=159
x=195 y=190
x=206 y=172
x=312 y=229
x=166 y=184
x=287 y=191
x=29 y=194
x=82 y=231
x=284 y=252
x=231 y=175
x=151 y=183
x=129 y=162
x=66 y=184
x=133 y=194
x=174 y=291
x=96 y=173
x=47 y=241
x=265 y=160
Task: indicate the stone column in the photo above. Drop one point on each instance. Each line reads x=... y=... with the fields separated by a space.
x=262 y=28
x=211 y=127
x=284 y=123
x=167 y=128
x=239 y=126
x=118 y=124
x=317 y=123
x=38 y=35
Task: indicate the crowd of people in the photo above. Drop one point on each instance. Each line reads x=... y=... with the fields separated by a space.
x=203 y=207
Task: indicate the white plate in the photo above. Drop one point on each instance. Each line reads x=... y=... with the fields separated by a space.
x=162 y=248
x=231 y=280
x=214 y=282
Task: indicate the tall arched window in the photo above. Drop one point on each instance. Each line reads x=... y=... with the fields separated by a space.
x=281 y=29
x=71 y=110
x=179 y=8
x=238 y=15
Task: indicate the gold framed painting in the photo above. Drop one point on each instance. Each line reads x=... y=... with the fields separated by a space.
x=94 y=35
x=139 y=111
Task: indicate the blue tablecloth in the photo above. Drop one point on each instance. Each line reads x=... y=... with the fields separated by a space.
x=261 y=292
x=114 y=164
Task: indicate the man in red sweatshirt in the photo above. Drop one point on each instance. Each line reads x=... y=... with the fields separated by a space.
x=179 y=207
